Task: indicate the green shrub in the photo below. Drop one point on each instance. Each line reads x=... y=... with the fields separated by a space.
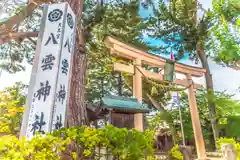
x=175 y=154
x=221 y=141
x=122 y=143
x=39 y=148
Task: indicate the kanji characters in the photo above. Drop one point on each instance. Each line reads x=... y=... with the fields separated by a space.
x=38 y=124
x=43 y=91
x=61 y=94
x=59 y=30
x=47 y=62
x=65 y=66
x=59 y=124
x=51 y=37
x=67 y=44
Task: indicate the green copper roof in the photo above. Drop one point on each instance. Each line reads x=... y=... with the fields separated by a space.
x=123 y=103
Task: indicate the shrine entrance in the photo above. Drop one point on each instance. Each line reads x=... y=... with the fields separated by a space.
x=141 y=58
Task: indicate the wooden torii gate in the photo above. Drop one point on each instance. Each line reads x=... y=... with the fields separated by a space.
x=139 y=58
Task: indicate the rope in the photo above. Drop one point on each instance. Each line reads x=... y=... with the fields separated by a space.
x=164 y=87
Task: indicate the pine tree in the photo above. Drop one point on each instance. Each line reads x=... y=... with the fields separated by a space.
x=176 y=24
x=126 y=26
x=119 y=19
x=18 y=32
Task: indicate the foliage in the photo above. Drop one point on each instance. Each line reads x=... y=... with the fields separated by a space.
x=120 y=20
x=229 y=9
x=228 y=125
x=225 y=32
x=225 y=109
x=40 y=147
x=12 y=100
x=221 y=141
x=101 y=79
x=163 y=120
x=121 y=143
x=225 y=106
x=177 y=25
x=15 y=54
x=175 y=154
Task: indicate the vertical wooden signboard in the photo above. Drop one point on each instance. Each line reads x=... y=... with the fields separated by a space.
x=44 y=87
x=59 y=109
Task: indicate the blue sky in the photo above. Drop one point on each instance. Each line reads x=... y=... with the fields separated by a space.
x=144 y=14
x=223 y=78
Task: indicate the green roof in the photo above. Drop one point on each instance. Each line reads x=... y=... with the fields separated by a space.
x=123 y=103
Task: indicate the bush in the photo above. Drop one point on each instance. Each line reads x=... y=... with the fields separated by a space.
x=221 y=141
x=122 y=143
x=175 y=154
x=44 y=148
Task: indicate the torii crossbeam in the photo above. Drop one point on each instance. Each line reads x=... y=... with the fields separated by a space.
x=139 y=58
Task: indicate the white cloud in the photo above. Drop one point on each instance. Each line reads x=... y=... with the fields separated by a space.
x=224 y=78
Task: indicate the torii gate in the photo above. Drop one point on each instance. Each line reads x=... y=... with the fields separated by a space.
x=140 y=57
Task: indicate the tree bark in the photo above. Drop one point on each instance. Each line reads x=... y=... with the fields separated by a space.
x=120 y=84
x=77 y=115
x=210 y=90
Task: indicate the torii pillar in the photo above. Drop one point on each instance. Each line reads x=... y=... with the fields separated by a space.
x=198 y=136
x=137 y=92
x=140 y=57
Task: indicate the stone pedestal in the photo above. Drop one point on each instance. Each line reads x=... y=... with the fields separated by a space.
x=228 y=151
x=186 y=151
x=103 y=153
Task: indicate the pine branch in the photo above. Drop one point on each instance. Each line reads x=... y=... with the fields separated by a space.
x=25 y=12
x=30 y=39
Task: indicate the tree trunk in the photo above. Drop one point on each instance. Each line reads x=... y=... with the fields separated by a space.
x=210 y=90
x=120 y=84
x=77 y=115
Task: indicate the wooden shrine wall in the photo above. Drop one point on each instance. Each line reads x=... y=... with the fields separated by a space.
x=122 y=120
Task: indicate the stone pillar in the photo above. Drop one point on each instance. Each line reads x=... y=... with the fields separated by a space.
x=228 y=151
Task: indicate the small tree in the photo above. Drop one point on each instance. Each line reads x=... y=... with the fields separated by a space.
x=12 y=100
x=225 y=107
